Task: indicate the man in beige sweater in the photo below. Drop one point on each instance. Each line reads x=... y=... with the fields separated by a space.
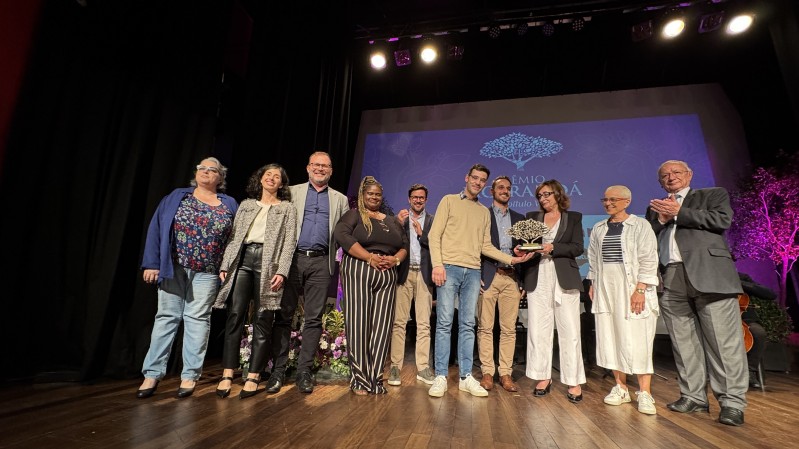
x=461 y=233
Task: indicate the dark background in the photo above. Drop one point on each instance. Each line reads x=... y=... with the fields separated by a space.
x=106 y=108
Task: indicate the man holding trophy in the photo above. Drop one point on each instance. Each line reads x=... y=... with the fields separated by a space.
x=501 y=290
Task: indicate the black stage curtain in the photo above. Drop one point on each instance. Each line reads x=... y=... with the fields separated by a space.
x=119 y=102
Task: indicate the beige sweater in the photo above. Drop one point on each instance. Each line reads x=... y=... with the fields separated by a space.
x=461 y=232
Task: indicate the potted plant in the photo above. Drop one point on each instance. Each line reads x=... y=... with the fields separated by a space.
x=778 y=326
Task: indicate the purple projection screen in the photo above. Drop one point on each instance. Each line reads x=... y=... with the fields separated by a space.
x=587 y=142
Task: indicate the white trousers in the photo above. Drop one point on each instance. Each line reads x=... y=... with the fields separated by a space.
x=548 y=306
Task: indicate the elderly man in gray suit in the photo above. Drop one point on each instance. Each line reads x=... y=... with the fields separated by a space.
x=700 y=290
x=319 y=208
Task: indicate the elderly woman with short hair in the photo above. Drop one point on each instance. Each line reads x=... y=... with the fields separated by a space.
x=182 y=254
x=623 y=263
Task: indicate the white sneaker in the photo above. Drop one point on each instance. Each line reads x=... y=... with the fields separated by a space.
x=646 y=403
x=471 y=385
x=617 y=396
x=439 y=387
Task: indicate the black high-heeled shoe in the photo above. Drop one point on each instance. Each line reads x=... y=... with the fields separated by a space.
x=224 y=393
x=541 y=392
x=147 y=392
x=186 y=392
x=246 y=394
x=574 y=398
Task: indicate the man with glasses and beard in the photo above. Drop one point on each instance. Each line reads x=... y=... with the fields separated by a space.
x=319 y=208
x=414 y=284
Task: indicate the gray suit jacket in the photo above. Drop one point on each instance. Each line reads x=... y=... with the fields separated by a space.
x=339 y=205
x=705 y=214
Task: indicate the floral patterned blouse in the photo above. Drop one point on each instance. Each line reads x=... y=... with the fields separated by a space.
x=199 y=234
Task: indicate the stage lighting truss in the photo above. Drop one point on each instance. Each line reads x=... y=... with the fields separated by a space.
x=739 y=23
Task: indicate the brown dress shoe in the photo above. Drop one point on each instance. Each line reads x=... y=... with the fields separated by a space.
x=487 y=382
x=508 y=384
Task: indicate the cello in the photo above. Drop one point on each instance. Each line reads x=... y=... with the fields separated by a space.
x=743 y=304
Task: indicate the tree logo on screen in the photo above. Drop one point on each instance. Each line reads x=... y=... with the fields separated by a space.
x=520 y=148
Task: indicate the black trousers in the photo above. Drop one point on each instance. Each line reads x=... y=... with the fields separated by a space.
x=311 y=277
x=246 y=289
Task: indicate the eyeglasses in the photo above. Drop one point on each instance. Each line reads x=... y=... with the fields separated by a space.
x=478 y=179
x=418 y=198
x=320 y=166
x=676 y=174
x=208 y=169
x=612 y=200
x=544 y=195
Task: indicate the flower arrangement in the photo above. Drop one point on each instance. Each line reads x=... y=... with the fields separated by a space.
x=245 y=347
x=331 y=352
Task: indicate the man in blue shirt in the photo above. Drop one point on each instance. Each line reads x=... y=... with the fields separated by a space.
x=319 y=208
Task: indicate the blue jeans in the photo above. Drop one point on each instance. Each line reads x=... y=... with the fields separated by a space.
x=463 y=284
x=187 y=297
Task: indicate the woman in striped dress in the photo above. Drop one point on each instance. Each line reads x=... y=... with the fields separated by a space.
x=374 y=244
x=623 y=259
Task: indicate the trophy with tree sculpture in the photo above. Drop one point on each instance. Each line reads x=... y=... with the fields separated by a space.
x=527 y=231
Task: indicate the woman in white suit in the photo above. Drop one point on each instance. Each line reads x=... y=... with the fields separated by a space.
x=623 y=259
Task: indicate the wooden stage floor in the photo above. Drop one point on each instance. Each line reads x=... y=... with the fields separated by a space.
x=107 y=414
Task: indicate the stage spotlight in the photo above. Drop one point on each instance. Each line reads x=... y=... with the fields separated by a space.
x=428 y=53
x=548 y=29
x=455 y=52
x=521 y=29
x=402 y=58
x=378 y=60
x=673 y=28
x=493 y=31
x=711 y=22
x=578 y=24
x=643 y=30
x=740 y=23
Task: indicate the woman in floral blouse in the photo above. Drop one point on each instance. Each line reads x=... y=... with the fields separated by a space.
x=182 y=255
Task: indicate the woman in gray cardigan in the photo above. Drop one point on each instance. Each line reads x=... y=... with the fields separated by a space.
x=255 y=267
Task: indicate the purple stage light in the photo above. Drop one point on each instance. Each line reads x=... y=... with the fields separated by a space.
x=548 y=29
x=711 y=22
x=402 y=58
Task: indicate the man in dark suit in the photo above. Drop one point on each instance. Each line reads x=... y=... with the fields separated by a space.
x=700 y=293
x=414 y=284
x=499 y=288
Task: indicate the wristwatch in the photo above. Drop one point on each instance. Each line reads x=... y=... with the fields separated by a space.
x=640 y=290
x=398 y=261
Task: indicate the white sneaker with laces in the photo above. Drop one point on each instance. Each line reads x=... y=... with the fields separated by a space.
x=646 y=403
x=439 y=387
x=617 y=396
x=471 y=385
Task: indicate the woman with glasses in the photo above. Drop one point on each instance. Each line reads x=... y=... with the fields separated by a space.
x=623 y=263
x=374 y=245
x=553 y=284
x=182 y=255
x=255 y=268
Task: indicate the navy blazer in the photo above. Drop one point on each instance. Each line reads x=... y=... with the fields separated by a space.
x=568 y=246
x=704 y=216
x=489 y=265
x=426 y=264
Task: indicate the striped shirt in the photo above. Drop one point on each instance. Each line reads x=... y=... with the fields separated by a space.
x=611 y=244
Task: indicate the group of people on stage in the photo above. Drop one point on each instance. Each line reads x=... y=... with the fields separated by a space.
x=203 y=249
